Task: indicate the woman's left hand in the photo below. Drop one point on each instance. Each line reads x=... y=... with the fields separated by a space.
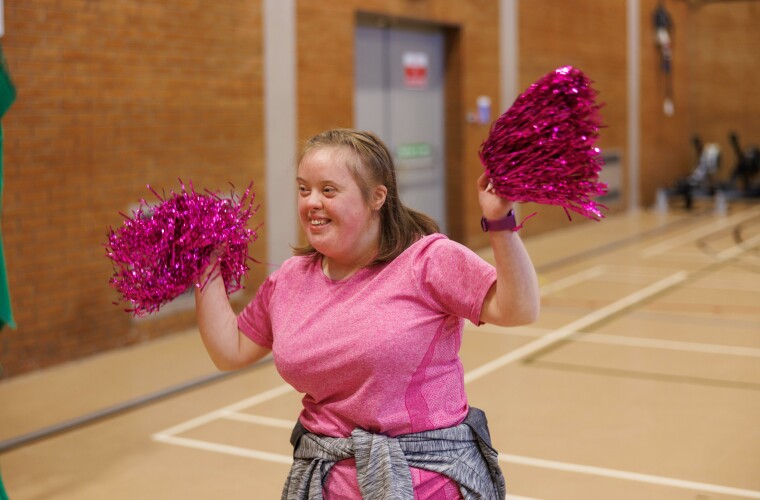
x=492 y=205
x=514 y=299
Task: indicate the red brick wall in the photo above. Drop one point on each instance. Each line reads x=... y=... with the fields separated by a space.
x=113 y=96
x=587 y=34
x=714 y=63
x=723 y=64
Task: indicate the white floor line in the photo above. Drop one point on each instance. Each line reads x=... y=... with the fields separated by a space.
x=750 y=284
x=629 y=476
x=508 y=458
x=738 y=249
x=263 y=397
x=694 y=235
x=621 y=340
x=576 y=326
x=280 y=423
x=690 y=255
x=572 y=280
x=602 y=313
x=231 y=411
x=216 y=414
x=675 y=345
x=223 y=448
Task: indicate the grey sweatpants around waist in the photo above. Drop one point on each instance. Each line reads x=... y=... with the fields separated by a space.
x=462 y=453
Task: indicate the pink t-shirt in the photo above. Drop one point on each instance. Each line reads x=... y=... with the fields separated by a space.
x=377 y=350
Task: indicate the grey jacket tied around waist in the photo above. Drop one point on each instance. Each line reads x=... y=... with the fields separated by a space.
x=462 y=453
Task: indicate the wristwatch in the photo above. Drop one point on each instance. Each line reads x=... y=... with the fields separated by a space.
x=503 y=224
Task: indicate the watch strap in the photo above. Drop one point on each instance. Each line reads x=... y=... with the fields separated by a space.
x=508 y=222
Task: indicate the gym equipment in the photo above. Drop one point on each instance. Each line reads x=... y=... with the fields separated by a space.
x=703 y=179
x=663 y=28
x=745 y=177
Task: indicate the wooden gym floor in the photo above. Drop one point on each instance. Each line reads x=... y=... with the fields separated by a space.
x=640 y=380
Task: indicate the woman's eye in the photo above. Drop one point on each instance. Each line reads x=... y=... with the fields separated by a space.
x=329 y=190
x=303 y=189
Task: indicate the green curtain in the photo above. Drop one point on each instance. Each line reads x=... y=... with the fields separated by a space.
x=3 y=494
x=7 y=96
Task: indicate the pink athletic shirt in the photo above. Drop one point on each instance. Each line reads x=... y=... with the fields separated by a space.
x=377 y=350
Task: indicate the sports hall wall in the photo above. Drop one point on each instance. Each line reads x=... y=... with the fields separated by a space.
x=116 y=95
x=113 y=96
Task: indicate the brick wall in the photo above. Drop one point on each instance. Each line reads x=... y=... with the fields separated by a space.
x=714 y=63
x=113 y=96
x=590 y=35
x=723 y=63
x=714 y=66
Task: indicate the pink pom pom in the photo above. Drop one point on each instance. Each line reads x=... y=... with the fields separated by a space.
x=542 y=148
x=161 y=251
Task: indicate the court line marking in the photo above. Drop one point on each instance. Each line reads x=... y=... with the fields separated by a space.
x=691 y=255
x=695 y=234
x=168 y=436
x=576 y=326
x=222 y=412
x=629 y=476
x=508 y=458
x=572 y=280
x=621 y=340
x=224 y=448
x=738 y=249
x=733 y=285
x=740 y=281
x=732 y=281
x=597 y=250
x=510 y=357
x=259 y=420
x=604 y=312
x=617 y=274
x=644 y=271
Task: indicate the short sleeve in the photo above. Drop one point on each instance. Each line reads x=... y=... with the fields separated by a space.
x=254 y=320
x=453 y=278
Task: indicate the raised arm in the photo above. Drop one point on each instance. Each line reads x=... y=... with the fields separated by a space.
x=514 y=299
x=228 y=348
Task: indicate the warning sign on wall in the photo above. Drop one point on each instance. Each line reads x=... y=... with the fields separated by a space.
x=415 y=69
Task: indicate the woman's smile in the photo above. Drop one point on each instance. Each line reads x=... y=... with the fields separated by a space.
x=318 y=222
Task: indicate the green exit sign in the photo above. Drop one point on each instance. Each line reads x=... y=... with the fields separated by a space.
x=414 y=150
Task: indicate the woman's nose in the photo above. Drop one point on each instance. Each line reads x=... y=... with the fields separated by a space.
x=314 y=201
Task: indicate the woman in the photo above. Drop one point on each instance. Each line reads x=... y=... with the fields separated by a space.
x=366 y=320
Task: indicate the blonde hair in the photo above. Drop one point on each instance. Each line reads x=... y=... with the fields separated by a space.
x=400 y=226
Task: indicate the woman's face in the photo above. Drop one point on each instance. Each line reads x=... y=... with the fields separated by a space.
x=339 y=223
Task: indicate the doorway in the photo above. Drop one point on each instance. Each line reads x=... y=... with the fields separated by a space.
x=399 y=95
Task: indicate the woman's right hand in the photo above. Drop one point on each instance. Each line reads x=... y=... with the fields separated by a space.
x=227 y=346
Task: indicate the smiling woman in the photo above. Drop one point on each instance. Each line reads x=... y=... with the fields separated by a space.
x=339 y=223
x=371 y=166
x=366 y=321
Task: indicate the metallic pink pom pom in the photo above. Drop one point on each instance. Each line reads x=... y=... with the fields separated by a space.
x=160 y=252
x=542 y=148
